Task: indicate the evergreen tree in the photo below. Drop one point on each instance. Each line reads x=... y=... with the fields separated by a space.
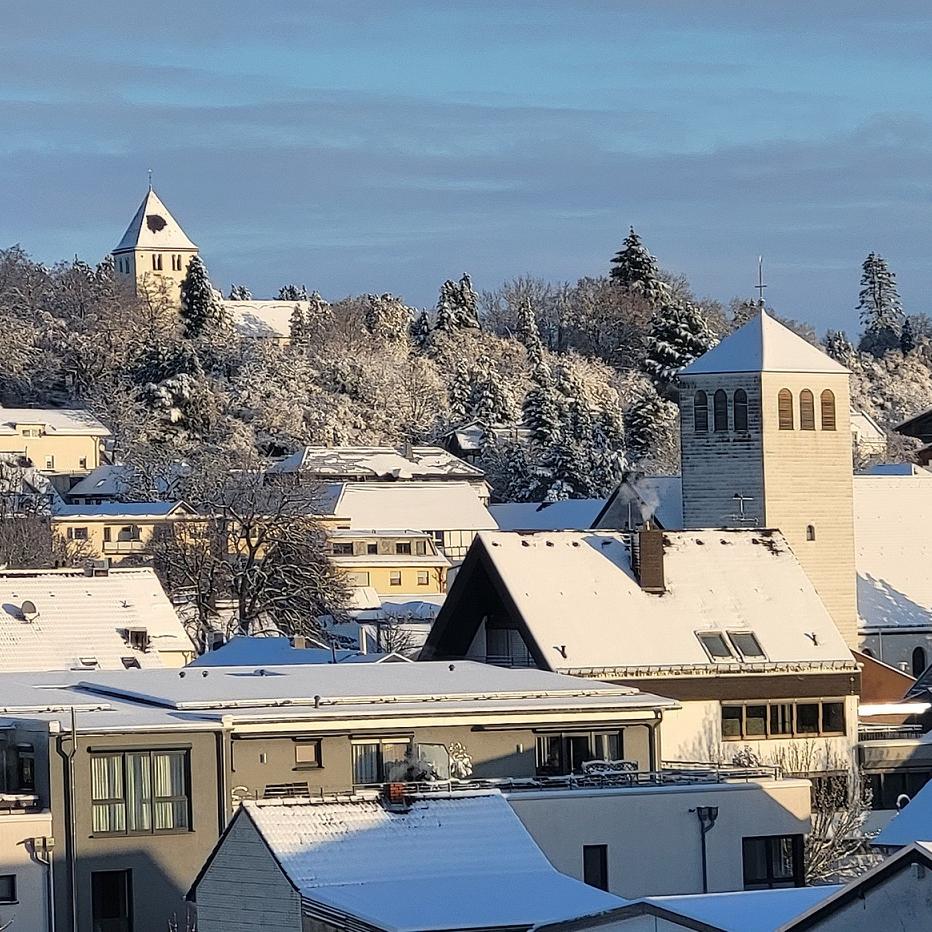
x=678 y=335
x=239 y=293
x=460 y=393
x=457 y=306
x=879 y=306
x=907 y=338
x=839 y=347
x=492 y=402
x=529 y=333
x=648 y=424
x=202 y=308
x=299 y=327
x=420 y=330
x=292 y=293
x=635 y=269
x=387 y=317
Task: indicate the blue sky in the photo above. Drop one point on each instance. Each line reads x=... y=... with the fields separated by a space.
x=385 y=146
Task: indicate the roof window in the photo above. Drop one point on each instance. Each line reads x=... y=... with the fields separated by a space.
x=716 y=646
x=747 y=645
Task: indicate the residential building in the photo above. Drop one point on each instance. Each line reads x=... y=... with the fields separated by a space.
x=911 y=824
x=574 y=514
x=469 y=440
x=157 y=761
x=92 y=619
x=56 y=441
x=390 y=562
x=766 y=442
x=264 y=320
x=119 y=481
x=117 y=531
x=867 y=435
x=154 y=252
x=725 y=621
x=26 y=844
x=420 y=863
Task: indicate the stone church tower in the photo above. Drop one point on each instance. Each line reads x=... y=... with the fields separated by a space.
x=766 y=442
x=154 y=251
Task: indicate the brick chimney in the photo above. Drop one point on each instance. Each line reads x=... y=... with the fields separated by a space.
x=647 y=558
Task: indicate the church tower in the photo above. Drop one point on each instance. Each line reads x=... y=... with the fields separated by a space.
x=154 y=251
x=766 y=442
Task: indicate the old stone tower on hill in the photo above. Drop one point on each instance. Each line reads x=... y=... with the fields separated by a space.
x=766 y=442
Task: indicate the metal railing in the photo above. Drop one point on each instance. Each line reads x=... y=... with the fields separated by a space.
x=888 y=732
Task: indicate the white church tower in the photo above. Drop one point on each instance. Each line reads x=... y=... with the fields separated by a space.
x=766 y=442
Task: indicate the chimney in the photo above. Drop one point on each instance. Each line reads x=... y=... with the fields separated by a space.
x=299 y=642
x=97 y=567
x=647 y=558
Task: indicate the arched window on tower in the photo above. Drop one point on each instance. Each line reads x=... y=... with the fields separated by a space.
x=700 y=413
x=810 y=532
x=720 y=411
x=806 y=410
x=785 y=409
x=741 y=410
x=919 y=662
x=828 y=410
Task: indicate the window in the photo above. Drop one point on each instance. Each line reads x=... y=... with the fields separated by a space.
x=420 y=548
x=720 y=411
x=833 y=718
x=810 y=532
x=156 y=262
x=77 y=533
x=82 y=463
x=715 y=645
x=26 y=767
x=828 y=410
x=423 y=578
x=785 y=409
x=782 y=719
x=700 y=413
x=342 y=549
x=755 y=721
x=357 y=579
x=176 y=263
x=741 y=410
x=129 y=532
x=888 y=788
x=732 y=718
x=919 y=662
x=307 y=753
x=394 y=578
x=773 y=861
x=112 y=901
x=747 y=645
x=139 y=792
x=595 y=866
x=806 y=410
x=50 y=462
x=372 y=549
x=565 y=753
x=807 y=718
x=381 y=761
x=8 y=888
x=403 y=547
x=107 y=534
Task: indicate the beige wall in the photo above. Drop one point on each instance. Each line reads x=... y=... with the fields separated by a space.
x=896 y=647
x=148 y=280
x=379 y=577
x=17 y=830
x=652 y=833
x=67 y=452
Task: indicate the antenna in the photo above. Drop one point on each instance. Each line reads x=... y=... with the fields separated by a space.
x=760 y=286
x=150 y=179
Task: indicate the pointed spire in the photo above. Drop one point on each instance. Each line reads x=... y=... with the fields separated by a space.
x=153 y=227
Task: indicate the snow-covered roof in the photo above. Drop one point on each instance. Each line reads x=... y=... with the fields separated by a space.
x=639 y=498
x=384 y=463
x=427 y=506
x=577 y=590
x=74 y=616
x=271 y=651
x=912 y=823
x=153 y=227
x=865 y=429
x=64 y=421
x=763 y=344
x=430 y=866
x=576 y=514
x=263 y=319
x=137 y=510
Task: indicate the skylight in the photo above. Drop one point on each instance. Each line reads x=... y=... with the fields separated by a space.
x=716 y=646
x=747 y=645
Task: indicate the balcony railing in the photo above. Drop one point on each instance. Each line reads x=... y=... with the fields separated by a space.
x=506 y=660
x=888 y=732
x=124 y=546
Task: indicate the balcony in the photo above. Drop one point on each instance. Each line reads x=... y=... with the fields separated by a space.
x=124 y=546
x=888 y=732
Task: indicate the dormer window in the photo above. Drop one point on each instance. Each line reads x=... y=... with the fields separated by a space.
x=716 y=646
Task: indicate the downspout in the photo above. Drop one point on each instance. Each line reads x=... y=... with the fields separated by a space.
x=46 y=859
x=72 y=827
x=707 y=816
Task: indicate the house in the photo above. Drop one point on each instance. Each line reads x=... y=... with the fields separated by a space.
x=867 y=435
x=896 y=894
x=469 y=440
x=154 y=252
x=575 y=514
x=422 y=864
x=725 y=621
x=121 y=481
x=206 y=739
x=57 y=441
x=264 y=319
x=93 y=619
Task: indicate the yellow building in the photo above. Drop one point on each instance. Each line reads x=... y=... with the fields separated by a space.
x=390 y=562
x=52 y=440
x=116 y=530
x=154 y=251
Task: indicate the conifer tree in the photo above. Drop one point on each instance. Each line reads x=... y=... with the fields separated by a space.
x=635 y=269
x=839 y=347
x=648 y=424
x=678 y=335
x=460 y=393
x=299 y=327
x=879 y=306
x=907 y=338
x=492 y=402
x=420 y=330
x=202 y=310
x=292 y=293
x=239 y=293
x=457 y=306
x=387 y=317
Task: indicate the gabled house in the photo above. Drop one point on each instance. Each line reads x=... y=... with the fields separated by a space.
x=55 y=441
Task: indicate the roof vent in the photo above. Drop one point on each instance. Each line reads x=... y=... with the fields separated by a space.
x=97 y=568
x=29 y=610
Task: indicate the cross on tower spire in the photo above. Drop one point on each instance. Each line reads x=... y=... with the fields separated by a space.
x=760 y=286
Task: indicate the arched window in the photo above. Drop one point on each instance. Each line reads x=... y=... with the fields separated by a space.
x=828 y=410
x=741 y=410
x=700 y=413
x=720 y=411
x=867 y=652
x=919 y=662
x=806 y=410
x=810 y=532
x=785 y=409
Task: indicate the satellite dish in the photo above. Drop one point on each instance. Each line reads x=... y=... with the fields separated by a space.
x=29 y=610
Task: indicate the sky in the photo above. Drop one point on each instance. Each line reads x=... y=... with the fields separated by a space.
x=386 y=146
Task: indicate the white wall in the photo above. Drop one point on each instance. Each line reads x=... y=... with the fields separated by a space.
x=16 y=831
x=652 y=833
x=895 y=648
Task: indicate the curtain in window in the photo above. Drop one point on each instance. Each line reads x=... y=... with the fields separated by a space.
x=138 y=793
x=395 y=760
x=366 y=763
x=171 y=801
x=109 y=810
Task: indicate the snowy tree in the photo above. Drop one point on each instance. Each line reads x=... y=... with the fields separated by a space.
x=839 y=347
x=458 y=306
x=202 y=311
x=635 y=269
x=492 y=402
x=879 y=306
x=907 y=337
x=299 y=326
x=652 y=433
x=387 y=317
x=420 y=330
x=529 y=334
x=678 y=335
x=239 y=293
x=292 y=293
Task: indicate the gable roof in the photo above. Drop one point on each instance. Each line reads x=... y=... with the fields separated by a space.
x=912 y=823
x=153 y=227
x=270 y=651
x=269 y=320
x=575 y=514
x=138 y=510
x=639 y=498
x=382 y=463
x=65 y=421
x=577 y=590
x=427 y=867
x=763 y=344
x=79 y=616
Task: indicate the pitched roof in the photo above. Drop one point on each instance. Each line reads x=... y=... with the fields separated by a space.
x=70 y=421
x=270 y=320
x=912 y=823
x=153 y=227
x=153 y=510
x=763 y=344
x=575 y=514
x=430 y=866
x=578 y=590
x=79 y=616
x=384 y=463
x=270 y=651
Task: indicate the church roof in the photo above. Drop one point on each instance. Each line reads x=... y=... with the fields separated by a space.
x=154 y=227
x=763 y=344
